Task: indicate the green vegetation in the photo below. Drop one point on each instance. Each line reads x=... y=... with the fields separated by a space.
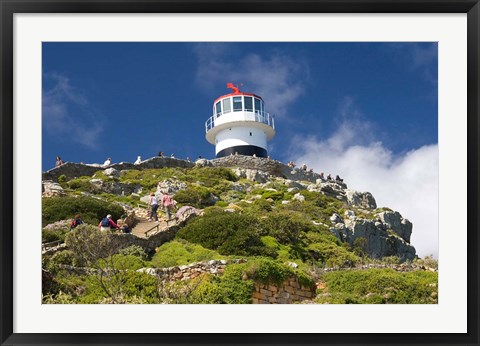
x=379 y=286
x=227 y=233
x=91 y=209
x=195 y=196
x=52 y=234
x=241 y=219
x=180 y=252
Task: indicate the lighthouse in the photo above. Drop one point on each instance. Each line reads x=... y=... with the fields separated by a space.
x=239 y=124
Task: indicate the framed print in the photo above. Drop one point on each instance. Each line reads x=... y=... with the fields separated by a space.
x=239 y=173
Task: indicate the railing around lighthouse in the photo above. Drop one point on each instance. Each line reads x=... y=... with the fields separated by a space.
x=261 y=117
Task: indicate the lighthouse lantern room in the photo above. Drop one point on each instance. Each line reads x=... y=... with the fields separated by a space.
x=239 y=124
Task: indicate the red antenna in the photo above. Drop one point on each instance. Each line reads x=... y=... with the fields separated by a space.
x=234 y=88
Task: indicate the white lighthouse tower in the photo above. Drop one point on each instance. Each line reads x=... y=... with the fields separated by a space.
x=239 y=124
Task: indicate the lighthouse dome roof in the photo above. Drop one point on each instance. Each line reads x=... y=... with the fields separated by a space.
x=236 y=92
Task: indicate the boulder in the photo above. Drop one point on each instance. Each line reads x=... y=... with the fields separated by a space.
x=111 y=172
x=252 y=174
x=335 y=218
x=299 y=197
x=202 y=163
x=170 y=186
x=360 y=199
x=50 y=188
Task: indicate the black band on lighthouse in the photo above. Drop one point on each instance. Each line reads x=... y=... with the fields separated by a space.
x=248 y=150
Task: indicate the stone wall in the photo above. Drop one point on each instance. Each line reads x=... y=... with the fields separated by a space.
x=290 y=291
x=190 y=271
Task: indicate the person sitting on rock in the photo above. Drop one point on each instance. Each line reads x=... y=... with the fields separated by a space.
x=125 y=228
x=322 y=176
x=138 y=161
x=58 y=161
x=329 y=177
x=75 y=222
x=107 y=162
x=304 y=167
x=107 y=224
x=337 y=178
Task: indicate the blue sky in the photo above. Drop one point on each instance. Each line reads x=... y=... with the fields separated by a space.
x=361 y=110
x=127 y=99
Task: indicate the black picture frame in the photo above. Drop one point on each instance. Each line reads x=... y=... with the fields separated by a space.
x=10 y=7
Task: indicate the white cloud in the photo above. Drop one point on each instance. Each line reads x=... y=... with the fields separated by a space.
x=278 y=78
x=58 y=102
x=407 y=183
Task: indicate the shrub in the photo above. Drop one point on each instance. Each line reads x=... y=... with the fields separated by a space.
x=51 y=235
x=275 y=195
x=62 y=178
x=286 y=227
x=89 y=244
x=136 y=251
x=381 y=286
x=266 y=271
x=195 y=196
x=92 y=210
x=228 y=233
x=221 y=204
x=65 y=257
x=81 y=184
x=122 y=287
x=180 y=252
x=211 y=176
x=208 y=291
x=332 y=255
x=121 y=262
x=149 y=178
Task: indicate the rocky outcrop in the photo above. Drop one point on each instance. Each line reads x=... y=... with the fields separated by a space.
x=50 y=188
x=74 y=170
x=376 y=237
x=394 y=221
x=273 y=168
x=360 y=199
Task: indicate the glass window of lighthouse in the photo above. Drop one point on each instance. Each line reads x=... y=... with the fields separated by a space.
x=218 y=108
x=227 y=107
x=248 y=103
x=237 y=103
x=257 y=106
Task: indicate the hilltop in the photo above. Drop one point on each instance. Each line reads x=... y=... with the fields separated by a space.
x=271 y=231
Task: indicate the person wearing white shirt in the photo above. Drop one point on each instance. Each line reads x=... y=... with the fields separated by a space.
x=107 y=162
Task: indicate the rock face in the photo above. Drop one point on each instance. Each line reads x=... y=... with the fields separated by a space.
x=377 y=237
x=394 y=221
